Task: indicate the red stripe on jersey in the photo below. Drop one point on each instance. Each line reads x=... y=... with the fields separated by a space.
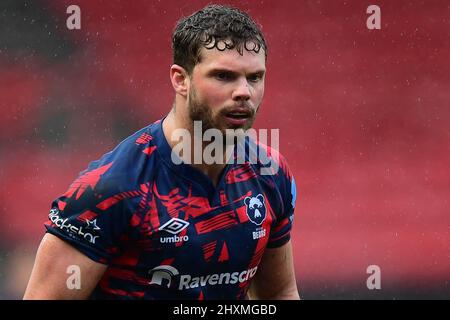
x=262 y=242
x=61 y=205
x=221 y=221
x=144 y=187
x=89 y=179
x=175 y=202
x=143 y=138
x=181 y=234
x=87 y=215
x=105 y=204
x=130 y=258
x=135 y=220
x=208 y=250
x=242 y=214
x=224 y=255
x=239 y=174
x=223 y=198
x=149 y=150
x=167 y=262
x=152 y=217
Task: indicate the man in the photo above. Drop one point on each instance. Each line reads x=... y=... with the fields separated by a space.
x=136 y=224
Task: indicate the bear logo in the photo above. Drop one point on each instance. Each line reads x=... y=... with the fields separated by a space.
x=256 y=209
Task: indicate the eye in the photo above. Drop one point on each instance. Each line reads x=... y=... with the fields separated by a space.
x=255 y=77
x=224 y=76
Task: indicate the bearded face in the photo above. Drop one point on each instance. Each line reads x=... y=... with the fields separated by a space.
x=220 y=117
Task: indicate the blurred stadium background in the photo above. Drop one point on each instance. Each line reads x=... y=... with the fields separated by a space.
x=364 y=118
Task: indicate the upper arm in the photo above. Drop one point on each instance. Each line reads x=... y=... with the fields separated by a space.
x=275 y=278
x=49 y=276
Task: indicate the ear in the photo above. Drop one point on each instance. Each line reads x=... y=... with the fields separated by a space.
x=260 y=197
x=247 y=201
x=180 y=79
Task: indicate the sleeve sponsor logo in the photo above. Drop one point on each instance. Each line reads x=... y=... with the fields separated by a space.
x=79 y=231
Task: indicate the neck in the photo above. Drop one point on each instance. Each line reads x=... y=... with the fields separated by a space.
x=175 y=121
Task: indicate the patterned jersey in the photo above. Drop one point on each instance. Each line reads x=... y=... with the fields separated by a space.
x=164 y=230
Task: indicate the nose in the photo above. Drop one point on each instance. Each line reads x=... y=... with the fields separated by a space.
x=242 y=91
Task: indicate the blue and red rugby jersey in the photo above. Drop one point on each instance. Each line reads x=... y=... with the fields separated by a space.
x=164 y=230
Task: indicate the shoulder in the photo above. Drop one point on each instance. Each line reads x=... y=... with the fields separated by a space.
x=268 y=160
x=120 y=169
x=274 y=168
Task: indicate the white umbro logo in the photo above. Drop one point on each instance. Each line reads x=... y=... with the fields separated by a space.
x=174 y=226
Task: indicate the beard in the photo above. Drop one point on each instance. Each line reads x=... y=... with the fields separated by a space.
x=201 y=111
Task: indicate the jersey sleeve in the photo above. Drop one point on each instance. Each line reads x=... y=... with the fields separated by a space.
x=281 y=231
x=93 y=215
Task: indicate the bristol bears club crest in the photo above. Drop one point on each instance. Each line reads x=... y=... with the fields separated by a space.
x=256 y=209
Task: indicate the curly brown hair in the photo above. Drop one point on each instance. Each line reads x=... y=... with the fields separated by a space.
x=214 y=26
